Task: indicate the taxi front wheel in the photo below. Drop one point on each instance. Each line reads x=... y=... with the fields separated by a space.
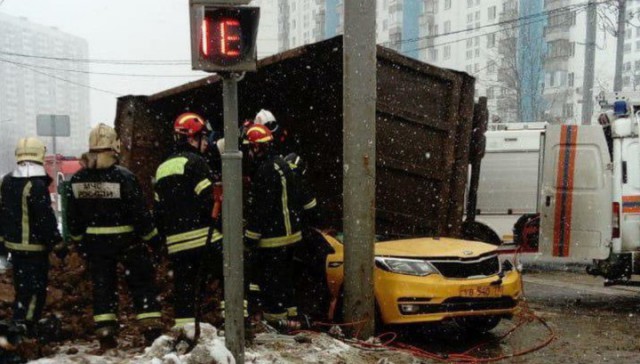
x=477 y=324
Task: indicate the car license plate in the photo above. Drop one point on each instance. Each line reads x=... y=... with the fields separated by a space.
x=481 y=291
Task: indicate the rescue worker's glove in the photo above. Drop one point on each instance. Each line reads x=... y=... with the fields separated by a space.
x=61 y=250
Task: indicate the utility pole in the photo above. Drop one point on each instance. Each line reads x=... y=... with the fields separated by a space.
x=359 y=148
x=589 y=63
x=622 y=13
x=233 y=247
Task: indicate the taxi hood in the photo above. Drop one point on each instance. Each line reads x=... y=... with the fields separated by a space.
x=433 y=248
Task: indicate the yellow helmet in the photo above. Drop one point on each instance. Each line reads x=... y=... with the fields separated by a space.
x=103 y=138
x=30 y=149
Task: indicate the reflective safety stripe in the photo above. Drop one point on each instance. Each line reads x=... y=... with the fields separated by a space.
x=32 y=308
x=156 y=196
x=105 y=317
x=280 y=241
x=107 y=230
x=179 y=322
x=178 y=247
x=285 y=201
x=150 y=236
x=252 y=235
x=148 y=315
x=25 y=247
x=292 y=311
x=271 y=317
x=76 y=237
x=254 y=287
x=202 y=186
x=187 y=236
x=26 y=192
x=171 y=167
x=311 y=204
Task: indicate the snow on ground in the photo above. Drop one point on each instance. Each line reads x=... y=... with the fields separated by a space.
x=267 y=348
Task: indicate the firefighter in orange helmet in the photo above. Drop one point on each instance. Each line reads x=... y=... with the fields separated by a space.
x=275 y=205
x=184 y=201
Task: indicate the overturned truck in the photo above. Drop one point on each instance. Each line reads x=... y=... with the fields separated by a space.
x=425 y=118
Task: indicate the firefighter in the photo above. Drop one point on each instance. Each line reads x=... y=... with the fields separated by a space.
x=280 y=135
x=184 y=201
x=108 y=219
x=274 y=227
x=30 y=231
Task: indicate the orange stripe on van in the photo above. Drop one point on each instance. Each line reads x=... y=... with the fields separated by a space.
x=631 y=204
x=564 y=191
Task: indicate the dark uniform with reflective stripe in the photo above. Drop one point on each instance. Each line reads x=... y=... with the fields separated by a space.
x=275 y=207
x=108 y=217
x=30 y=231
x=183 y=207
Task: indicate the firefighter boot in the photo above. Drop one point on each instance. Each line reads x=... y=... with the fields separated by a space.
x=151 y=329
x=107 y=337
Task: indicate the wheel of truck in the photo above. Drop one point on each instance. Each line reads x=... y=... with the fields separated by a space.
x=477 y=324
x=477 y=231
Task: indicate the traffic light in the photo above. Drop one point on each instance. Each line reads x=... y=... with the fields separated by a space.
x=223 y=38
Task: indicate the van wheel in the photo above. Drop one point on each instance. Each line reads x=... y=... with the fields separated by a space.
x=477 y=231
x=477 y=324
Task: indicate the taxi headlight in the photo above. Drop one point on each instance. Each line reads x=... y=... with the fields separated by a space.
x=412 y=267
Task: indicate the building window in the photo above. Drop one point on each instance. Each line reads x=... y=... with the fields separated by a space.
x=447 y=52
x=447 y=4
x=627 y=47
x=567 y=110
x=477 y=52
x=469 y=18
x=626 y=81
x=571 y=79
x=492 y=13
x=491 y=40
x=476 y=67
x=447 y=26
x=469 y=43
x=477 y=15
x=627 y=66
x=469 y=54
x=476 y=41
x=433 y=55
x=490 y=94
x=469 y=3
x=491 y=67
x=636 y=65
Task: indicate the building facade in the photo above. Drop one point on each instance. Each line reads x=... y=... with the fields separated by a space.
x=527 y=55
x=30 y=86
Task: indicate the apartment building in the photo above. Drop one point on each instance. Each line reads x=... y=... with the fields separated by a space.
x=30 y=86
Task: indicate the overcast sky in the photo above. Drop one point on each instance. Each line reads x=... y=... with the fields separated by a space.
x=120 y=29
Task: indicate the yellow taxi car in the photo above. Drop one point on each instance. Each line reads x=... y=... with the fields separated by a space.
x=434 y=279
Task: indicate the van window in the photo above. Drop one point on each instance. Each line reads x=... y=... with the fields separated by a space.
x=588 y=167
x=633 y=165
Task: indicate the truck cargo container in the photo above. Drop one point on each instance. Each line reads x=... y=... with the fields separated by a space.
x=425 y=117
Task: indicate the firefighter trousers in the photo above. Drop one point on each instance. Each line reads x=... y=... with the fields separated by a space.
x=30 y=283
x=274 y=273
x=140 y=279
x=186 y=266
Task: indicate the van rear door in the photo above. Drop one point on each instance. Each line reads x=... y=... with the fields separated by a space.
x=576 y=193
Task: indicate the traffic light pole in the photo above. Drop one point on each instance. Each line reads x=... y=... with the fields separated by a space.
x=359 y=148
x=232 y=222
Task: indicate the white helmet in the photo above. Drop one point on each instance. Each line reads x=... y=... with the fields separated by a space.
x=266 y=118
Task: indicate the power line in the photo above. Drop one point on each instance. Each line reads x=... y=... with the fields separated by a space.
x=150 y=62
x=471 y=37
x=543 y=14
x=99 y=73
x=60 y=78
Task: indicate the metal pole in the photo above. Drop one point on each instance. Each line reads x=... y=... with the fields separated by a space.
x=55 y=163
x=622 y=10
x=589 y=63
x=232 y=223
x=359 y=100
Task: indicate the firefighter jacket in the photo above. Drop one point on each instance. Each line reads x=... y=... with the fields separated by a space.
x=106 y=207
x=184 y=201
x=27 y=220
x=276 y=203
